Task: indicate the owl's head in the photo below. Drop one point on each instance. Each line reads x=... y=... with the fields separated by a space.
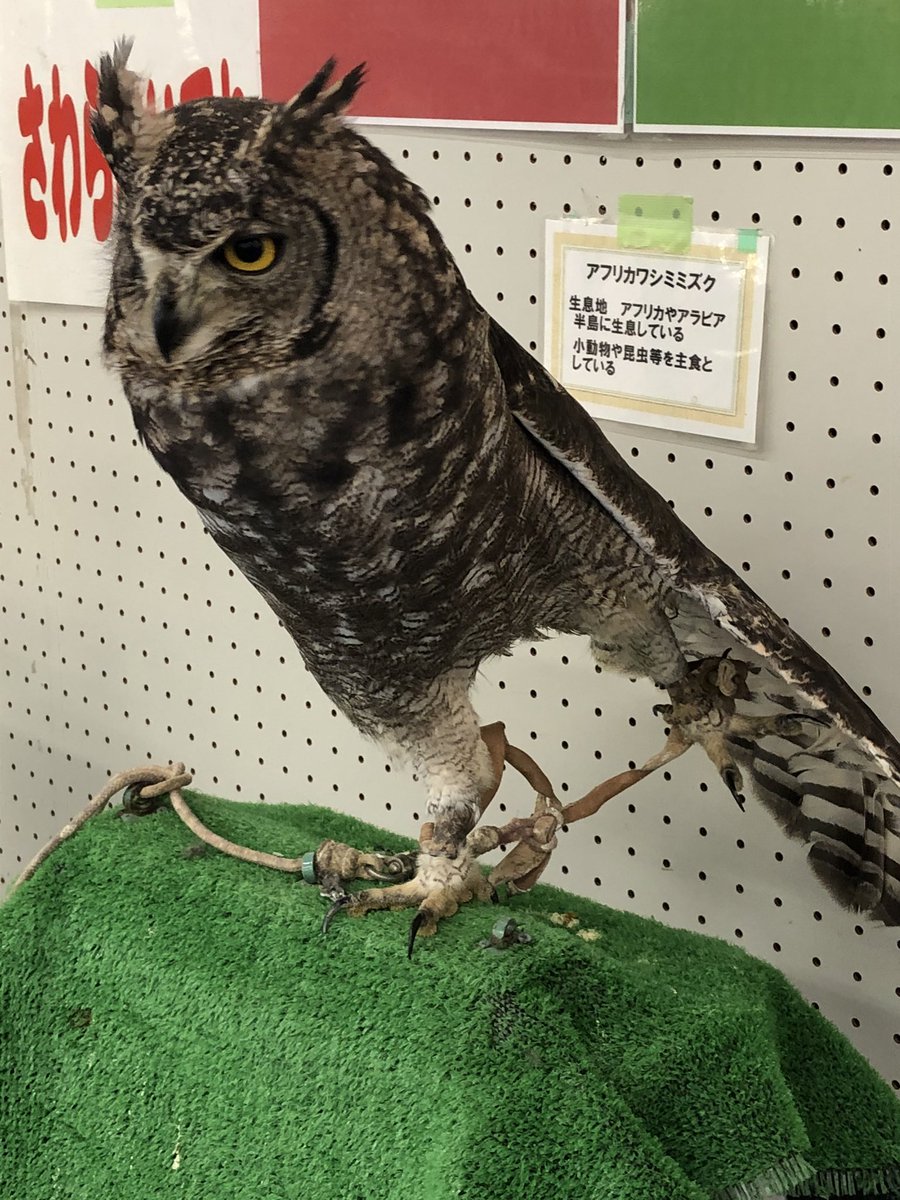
x=253 y=233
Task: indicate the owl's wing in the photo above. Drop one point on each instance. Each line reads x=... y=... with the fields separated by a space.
x=836 y=784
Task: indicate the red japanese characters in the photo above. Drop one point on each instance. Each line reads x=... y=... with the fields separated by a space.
x=63 y=172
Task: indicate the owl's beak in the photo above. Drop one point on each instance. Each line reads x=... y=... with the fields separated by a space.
x=169 y=326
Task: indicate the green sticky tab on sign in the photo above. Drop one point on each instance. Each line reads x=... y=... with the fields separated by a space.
x=656 y=223
x=134 y=3
x=747 y=239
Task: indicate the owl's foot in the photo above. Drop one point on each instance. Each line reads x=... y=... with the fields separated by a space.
x=703 y=711
x=334 y=863
x=447 y=874
x=441 y=884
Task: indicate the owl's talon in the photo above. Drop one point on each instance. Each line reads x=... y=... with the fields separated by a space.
x=440 y=886
x=338 y=904
x=417 y=922
x=703 y=711
x=733 y=780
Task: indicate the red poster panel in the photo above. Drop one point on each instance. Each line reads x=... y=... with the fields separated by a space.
x=543 y=64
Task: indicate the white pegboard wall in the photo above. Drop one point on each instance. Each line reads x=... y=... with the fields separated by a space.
x=127 y=637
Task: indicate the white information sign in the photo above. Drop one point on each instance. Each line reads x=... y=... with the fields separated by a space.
x=56 y=187
x=652 y=338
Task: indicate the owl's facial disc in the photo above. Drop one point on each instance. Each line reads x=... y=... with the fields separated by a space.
x=243 y=254
x=191 y=301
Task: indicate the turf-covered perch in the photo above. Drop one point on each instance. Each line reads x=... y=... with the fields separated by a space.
x=174 y=1024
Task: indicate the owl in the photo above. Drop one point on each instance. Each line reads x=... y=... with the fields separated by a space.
x=413 y=493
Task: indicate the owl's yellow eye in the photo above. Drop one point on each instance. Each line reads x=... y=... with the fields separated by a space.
x=251 y=253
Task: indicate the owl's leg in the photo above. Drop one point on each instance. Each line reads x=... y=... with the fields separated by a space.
x=460 y=771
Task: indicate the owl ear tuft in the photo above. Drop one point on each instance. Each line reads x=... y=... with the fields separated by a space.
x=311 y=106
x=123 y=127
x=313 y=89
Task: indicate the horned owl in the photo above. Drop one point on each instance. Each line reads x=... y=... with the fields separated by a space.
x=412 y=493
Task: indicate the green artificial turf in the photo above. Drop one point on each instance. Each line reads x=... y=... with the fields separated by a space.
x=177 y=1026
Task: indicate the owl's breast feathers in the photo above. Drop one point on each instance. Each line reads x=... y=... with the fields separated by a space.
x=408 y=514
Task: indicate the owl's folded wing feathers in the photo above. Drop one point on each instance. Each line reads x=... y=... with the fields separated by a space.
x=836 y=783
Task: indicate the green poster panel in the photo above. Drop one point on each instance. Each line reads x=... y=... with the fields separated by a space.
x=772 y=66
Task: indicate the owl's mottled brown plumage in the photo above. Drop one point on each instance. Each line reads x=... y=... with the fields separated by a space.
x=408 y=488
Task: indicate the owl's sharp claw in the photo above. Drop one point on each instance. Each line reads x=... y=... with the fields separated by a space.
x=417 y=922
x=337 y=905
x=438 y=888
x=703 y=711
x=732 y=779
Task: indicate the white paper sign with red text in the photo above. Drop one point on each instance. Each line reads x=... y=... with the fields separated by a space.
x=56 y=188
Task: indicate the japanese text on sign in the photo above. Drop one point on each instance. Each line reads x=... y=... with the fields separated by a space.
x=655 y=337
x=688 y=281
x=629 y=319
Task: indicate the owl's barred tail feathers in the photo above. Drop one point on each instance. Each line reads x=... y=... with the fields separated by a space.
x=823 y=789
